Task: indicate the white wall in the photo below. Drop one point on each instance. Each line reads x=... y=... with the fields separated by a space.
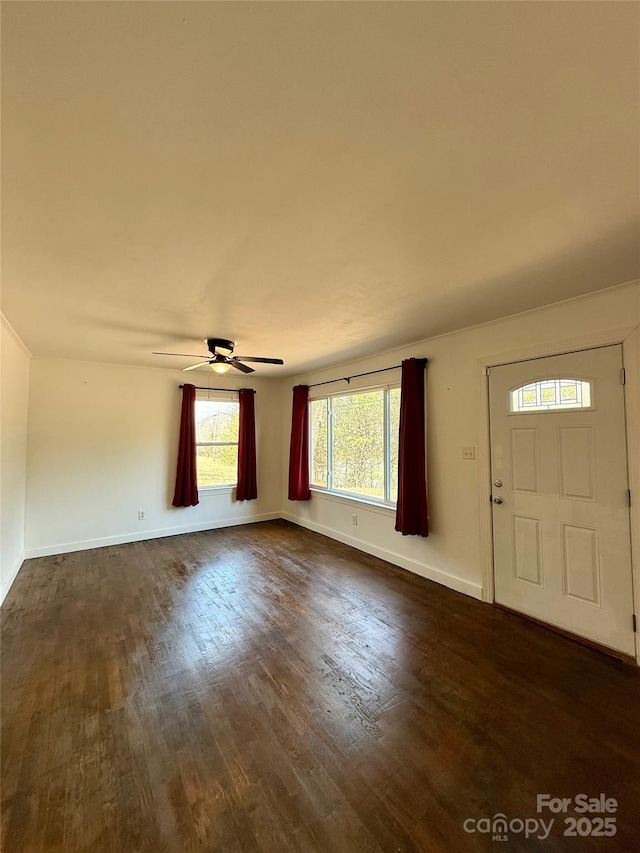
x=455 y=552
x=14 y=378
x=103 y=444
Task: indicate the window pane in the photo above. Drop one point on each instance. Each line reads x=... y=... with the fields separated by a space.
x=217 y=420
x=318 y=412
x=358 y=443
x=217 y=466
x=550 y=394
x=394 y=430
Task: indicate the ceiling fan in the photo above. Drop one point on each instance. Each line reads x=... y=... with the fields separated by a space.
x=219 y=361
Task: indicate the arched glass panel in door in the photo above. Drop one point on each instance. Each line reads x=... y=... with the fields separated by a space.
x=551 y=394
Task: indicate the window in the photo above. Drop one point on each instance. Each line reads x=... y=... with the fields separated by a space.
x=354 y=444
x=548 y=394
x=217 y=417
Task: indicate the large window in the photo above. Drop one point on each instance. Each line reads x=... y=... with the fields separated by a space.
x=354 y=444
x=217 y=418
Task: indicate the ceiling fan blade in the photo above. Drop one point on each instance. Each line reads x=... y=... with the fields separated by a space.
x=261 y=360
x=193 y=366
x=182 y=354
x=242 y=367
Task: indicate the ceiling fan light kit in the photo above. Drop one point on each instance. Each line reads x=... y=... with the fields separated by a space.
x=220 y=363
x=219 y=366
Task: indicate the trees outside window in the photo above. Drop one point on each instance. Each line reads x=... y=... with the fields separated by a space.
x=217 y=442
x=354 y=443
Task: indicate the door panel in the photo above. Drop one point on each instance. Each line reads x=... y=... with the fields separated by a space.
x=577 y=463
x=580 y=563
x=524 y=461
x=561 y=527
x=527 y=549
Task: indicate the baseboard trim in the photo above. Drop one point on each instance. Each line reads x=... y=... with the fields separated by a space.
x=126 y=538
x=13 y=574
x=451 y=581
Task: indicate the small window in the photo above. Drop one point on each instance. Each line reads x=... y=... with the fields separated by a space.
x=549 y=394
x=217 y=419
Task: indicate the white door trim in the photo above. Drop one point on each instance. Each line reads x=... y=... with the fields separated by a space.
x=629 y=337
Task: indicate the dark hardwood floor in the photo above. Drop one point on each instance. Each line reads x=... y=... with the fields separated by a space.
x=266 y=689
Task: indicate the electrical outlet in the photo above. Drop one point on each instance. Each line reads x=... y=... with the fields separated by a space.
x=142 y=514
x=354 y=519
x=468 y=453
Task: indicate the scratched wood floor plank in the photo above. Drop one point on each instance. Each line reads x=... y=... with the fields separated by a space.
x=267 y=689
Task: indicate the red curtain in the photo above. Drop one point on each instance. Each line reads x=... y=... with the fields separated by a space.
x=186 y=493
x=247 y=478
x=299 y=448
x=412 y=514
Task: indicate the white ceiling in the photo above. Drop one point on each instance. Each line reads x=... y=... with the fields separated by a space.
x=317 y=181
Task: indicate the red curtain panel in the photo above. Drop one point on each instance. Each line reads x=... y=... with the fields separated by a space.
x=247 y=488
x=186 y=493
x=299 y=448
x=412 y=517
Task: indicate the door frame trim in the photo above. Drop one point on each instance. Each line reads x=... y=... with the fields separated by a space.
x=629 y=338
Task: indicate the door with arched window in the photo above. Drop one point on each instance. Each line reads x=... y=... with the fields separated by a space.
x=562 y=550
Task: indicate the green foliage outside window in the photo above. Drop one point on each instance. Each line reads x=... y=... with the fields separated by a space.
x=217 y=421
x=318 y=413
x=358 y=444
x=351 y=429
x=394 y=432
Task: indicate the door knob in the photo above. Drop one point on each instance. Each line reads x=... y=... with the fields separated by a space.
x=498 y=483
x=497 y=500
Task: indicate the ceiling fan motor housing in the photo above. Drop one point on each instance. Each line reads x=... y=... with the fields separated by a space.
x=212 y=343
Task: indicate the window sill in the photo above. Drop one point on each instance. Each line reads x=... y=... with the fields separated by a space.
x=203 y=491
x=338 y=497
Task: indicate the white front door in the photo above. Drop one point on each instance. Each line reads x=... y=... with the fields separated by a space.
x=559 y=486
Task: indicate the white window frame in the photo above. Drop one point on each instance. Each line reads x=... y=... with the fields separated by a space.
x=329 y=489
x=217 y=397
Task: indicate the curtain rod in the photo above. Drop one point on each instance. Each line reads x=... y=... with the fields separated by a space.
x=231 y=390
x=358 y=375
